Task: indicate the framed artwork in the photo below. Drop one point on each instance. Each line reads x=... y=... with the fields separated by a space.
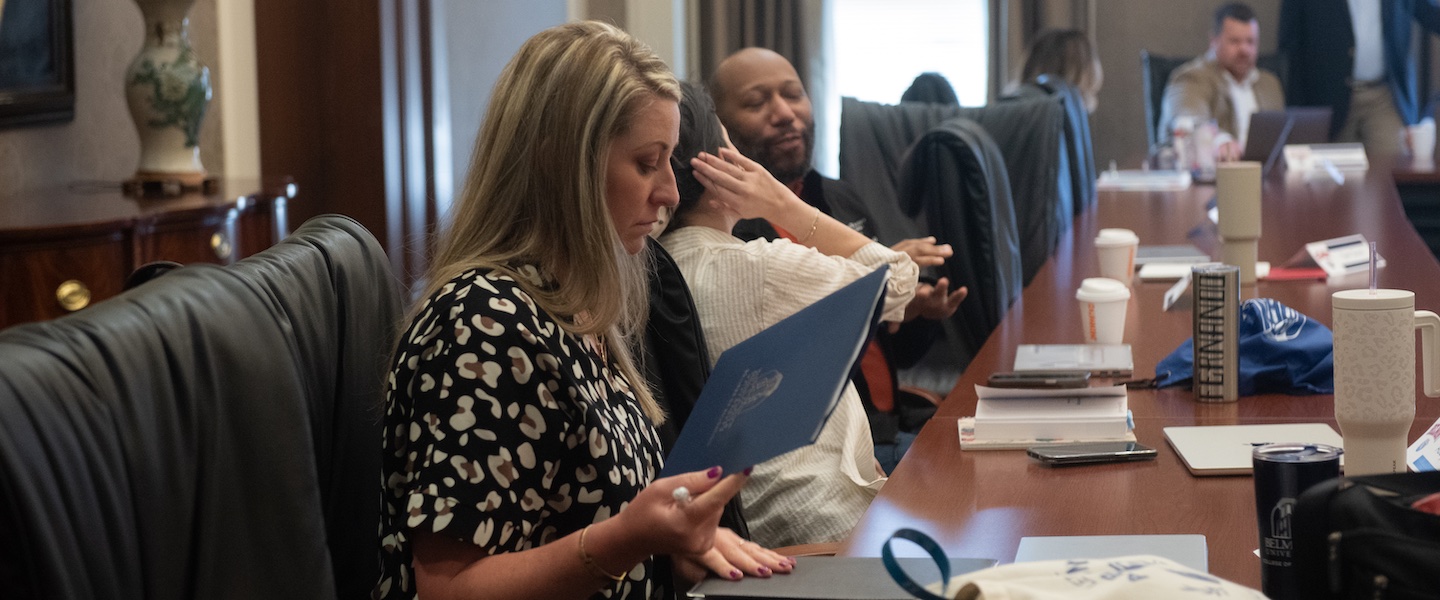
x=37 y=68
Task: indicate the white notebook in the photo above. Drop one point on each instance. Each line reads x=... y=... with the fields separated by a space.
x=1226 y=449
x=1186 y=549
x=1102 y=360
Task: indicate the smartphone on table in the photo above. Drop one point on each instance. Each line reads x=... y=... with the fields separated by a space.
x=1040 y=379
x=1083 y=453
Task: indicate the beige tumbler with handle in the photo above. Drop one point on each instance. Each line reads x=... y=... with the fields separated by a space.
x=1375 y=374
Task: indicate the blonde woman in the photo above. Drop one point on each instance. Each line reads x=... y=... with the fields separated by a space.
x=520 y=449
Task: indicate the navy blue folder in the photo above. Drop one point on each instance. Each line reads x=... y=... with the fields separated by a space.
x=772 y=393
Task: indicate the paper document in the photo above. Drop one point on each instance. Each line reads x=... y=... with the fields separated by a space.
x=1144 y=181
x=1424 y=454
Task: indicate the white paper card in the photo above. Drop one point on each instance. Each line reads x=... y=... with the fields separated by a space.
x=1424 y=454
x=1343 y=255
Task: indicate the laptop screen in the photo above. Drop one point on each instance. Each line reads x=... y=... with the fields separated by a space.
x=1270 y=130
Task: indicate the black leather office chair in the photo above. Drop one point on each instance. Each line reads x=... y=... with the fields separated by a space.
x=955 y=181
x=1029 y=132
x=1079 y=146
x=676 y=360
x=212 y=433
x=1155 y=74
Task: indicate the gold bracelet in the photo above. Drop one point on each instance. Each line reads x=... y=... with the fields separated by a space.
x=813 y=224
x=590 y=563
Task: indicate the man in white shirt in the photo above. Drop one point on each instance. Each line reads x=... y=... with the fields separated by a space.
x=1224 y=84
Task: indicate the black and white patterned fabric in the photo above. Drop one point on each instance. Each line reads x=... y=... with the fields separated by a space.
x=505 y=431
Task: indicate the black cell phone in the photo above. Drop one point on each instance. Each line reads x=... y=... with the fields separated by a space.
x=1040 y=379
x=1090 y=452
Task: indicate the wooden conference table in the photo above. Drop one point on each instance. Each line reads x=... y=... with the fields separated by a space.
x=979 y=504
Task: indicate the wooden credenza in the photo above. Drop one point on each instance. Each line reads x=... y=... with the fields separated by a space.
x=62 y=250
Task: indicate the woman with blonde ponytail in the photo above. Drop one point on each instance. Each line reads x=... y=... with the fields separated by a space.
x=520 y=445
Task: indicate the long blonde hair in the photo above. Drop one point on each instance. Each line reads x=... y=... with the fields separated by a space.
x=535 y=193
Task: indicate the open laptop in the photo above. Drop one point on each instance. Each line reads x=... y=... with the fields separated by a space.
x=1226 y=449
x=1270 y=130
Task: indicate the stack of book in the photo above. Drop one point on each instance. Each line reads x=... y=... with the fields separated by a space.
x=1008 y=418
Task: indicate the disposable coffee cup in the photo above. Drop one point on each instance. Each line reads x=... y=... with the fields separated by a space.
x=1116 y=250
x=1102 y=310
x=1422 y=142
x=1282 y=471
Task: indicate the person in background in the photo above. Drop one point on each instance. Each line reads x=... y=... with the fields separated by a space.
x=816 y=493
x=1354 y=56
x=520 y=450
x=1070 y=55
x=1224 y=84
x=763 y=105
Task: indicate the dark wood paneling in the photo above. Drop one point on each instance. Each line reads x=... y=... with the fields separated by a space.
x=346 y=109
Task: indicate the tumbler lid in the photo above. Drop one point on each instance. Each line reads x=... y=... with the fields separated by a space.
x=1366 y=299
x=1296 y=452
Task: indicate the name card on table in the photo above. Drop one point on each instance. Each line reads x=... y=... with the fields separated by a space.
x=1343 y=255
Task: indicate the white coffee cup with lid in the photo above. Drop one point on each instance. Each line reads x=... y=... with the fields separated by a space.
x=1116 y=250
x=1102 y=310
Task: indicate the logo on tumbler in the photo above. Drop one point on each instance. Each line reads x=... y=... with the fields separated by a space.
x=1279 y=538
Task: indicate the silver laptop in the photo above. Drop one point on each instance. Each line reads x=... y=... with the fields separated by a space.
x=1226 y=449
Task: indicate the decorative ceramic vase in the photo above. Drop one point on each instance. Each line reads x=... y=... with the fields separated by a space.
x=167 y=89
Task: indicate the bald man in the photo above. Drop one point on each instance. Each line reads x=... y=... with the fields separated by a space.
x=760 y=99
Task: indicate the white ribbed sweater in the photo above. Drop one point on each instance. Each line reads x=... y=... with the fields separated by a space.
x=815 y=493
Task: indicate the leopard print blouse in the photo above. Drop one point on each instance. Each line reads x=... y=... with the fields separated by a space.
x=507 y=432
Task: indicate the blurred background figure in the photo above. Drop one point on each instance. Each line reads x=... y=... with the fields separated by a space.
x=933 y=88
x=1355 y=57
x=1225 y=84
x=1070 y=55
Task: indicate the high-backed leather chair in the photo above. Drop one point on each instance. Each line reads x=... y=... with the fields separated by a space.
x=1079 y=147
x=1029 y=132
x=213 y=433
x=1155 y=74
x=955 y=180
x=676 y=359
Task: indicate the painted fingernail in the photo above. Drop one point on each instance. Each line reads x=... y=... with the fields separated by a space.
x=747 y=469
x=763 y=571
x=735 y=574
x=714 y=472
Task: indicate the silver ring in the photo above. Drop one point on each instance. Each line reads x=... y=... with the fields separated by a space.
x=682 y=495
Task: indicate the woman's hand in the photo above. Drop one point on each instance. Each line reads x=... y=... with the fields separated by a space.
x=741 y=186
x=732 y=557
x=663 y=524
